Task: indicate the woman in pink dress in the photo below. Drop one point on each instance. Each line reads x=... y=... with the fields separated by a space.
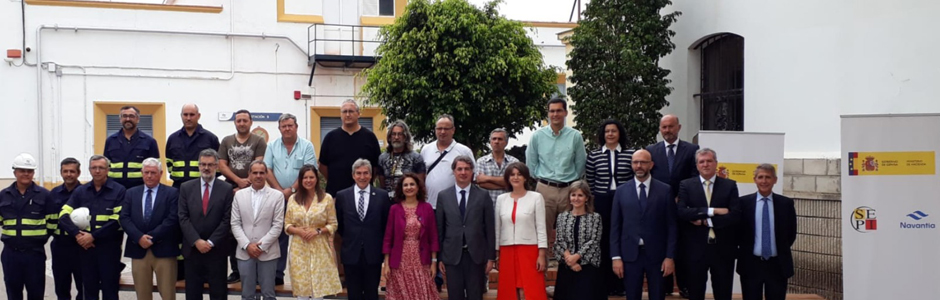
x=410 y=244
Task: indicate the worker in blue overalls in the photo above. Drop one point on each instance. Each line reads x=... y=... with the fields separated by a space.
x=101 y=241
x=127 y=149
x=64 y=265
x=24 y=211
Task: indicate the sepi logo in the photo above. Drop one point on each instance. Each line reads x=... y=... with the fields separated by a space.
x=863 y=219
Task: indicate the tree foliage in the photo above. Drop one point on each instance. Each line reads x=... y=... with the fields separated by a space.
x=451 y=57
x=615 y=66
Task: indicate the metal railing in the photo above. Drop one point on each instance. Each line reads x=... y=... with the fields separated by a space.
x=342 y=40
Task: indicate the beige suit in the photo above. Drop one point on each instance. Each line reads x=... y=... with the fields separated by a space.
x=264 y=226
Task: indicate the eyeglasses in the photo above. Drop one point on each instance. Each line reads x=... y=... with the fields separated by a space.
x=128 y=116
x=205 y=165
x=641 y=162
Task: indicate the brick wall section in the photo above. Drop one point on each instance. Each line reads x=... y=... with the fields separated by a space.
x=815 y=186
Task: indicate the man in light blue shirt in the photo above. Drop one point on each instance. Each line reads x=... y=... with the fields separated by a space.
x=766 y=234
x=284 y=158
x=556 y=157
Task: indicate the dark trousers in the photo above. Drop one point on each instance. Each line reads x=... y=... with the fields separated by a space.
x=765 y=281
x=283 y=241
x=362 y=280
x=609 y=282
x=101 y=270
x=634 y=271
x=463 y=279
x=65 y=267
x=719 y=265
x=202 y=268
x=24 y=268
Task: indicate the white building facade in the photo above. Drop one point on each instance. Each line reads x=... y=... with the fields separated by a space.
x=86 y=59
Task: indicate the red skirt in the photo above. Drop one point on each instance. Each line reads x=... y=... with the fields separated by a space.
x=517 y=269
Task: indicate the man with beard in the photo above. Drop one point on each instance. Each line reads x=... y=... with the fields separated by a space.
x=127 y=149
x=183 y=146
x=236 y=152
x=64 y=265
x=205 y=208
x=399 y=158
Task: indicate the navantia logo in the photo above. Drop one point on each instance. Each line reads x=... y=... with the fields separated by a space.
x=863 y=219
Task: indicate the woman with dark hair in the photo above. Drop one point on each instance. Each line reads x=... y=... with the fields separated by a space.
x=577 y=248
x=605 y=169
x=311 y=219
x=411 y=244
x=521 y=238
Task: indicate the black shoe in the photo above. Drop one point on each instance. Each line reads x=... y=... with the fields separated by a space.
x=233 y=278
x=684 y=293
x=278 y=281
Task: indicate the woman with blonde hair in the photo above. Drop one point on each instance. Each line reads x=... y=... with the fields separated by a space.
x=577 y=248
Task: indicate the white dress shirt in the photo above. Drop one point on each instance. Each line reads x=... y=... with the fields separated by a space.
x=202 y=191
x=256 y=197
x=613 y=165
x=467 y=194
x=365 y=197
x=711 y=210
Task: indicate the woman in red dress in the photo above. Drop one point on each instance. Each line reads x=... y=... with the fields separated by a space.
x=521 y=239
x=410 y=244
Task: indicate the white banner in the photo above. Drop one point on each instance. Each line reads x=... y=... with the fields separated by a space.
x=890 y=190
x=739 y=153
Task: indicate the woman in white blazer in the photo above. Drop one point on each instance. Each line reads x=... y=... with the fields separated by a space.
x=521 y=238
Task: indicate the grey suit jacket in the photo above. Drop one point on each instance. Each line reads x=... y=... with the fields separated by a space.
x=478 y=227
x=264 y=228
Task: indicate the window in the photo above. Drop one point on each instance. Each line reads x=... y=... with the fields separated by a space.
x=378 y=8
x=145 y=124
x=327 y=124
x=722 y=82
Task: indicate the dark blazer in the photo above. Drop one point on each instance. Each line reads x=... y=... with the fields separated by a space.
x=784 y=233
x=683 y=169
x=164 y=224
x=693 y=206
x=478 y=227
x=213 y=226
x=656 y=224
x=362 y=235
x=395 y=234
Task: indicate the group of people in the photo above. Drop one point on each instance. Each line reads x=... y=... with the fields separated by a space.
x=606 y=219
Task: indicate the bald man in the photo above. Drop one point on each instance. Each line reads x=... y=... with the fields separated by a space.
x=674 y=161
x=183 y=146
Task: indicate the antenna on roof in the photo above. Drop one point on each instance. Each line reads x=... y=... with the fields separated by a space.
x=575 y=5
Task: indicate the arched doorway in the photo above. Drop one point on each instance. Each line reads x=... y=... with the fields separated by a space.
x=722 y=82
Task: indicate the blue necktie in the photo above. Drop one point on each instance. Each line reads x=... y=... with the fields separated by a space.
x=671 y=156
x=148 y=206
x=642 y=197
x=765 y=237
x=463 y=204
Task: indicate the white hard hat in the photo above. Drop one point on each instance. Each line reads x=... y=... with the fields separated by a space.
x=24 y=161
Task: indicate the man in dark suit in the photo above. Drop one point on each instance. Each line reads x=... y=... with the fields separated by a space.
x=674 y=161
x=205 y=208
x=765 y=235
x=467 y=233
x=149 y=216
x=710 y=204
x=362 y=212
x=643 y=231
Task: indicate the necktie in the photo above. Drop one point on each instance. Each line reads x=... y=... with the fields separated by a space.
x=361 y=207
x=205 y=199
x=463 y=204
x=671 y=156
x=148 y=206
x=765 y=236
x=642 y=197
x=708 y=199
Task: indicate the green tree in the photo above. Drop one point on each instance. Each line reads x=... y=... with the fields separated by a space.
x=452 y=57
x=615 y=66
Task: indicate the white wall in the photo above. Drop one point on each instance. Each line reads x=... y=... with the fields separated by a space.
x=219 y=74
x=808 y=62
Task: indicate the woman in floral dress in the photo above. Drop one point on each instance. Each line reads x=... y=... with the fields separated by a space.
x=410 y=245
x=311 y=220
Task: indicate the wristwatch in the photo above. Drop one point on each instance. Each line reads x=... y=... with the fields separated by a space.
x=293 y=190
x=318 y=230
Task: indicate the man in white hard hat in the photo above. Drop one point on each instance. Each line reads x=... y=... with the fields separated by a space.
x=26 y=208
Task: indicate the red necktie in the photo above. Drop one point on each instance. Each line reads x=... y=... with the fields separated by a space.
x=205 y=199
